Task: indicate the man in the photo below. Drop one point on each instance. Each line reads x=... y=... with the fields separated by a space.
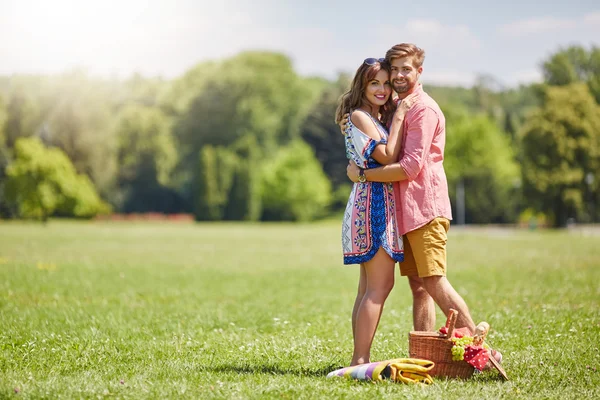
x=423 y=205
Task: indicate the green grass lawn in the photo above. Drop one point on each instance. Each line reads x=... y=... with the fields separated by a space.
x=151 y=310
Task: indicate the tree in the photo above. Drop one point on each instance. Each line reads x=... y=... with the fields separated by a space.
x=175 y=100
x=229 y=182
x=561 y=149
x=574 y=64
x=146 y=156
x=4 y=159
x=142 y=91
x=2 y=122
x=320 y=131
x=244 y=198
x=594 y=74
x=216 y=171
x=252 y=94
x=516 y=104
x=42 y=181
x=22 y=117
x=479 y=157
x=294 y=186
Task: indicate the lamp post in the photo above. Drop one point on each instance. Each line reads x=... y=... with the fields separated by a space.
x=460 y=201
x=589 y=179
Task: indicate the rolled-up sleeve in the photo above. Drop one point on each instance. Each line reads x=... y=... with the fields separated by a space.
x=422 y=126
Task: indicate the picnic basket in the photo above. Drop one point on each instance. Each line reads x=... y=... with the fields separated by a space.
x=437 y=347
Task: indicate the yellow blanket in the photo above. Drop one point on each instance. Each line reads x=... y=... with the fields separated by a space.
x=405 y=370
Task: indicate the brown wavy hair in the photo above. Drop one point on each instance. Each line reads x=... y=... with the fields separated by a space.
x=406 y=50
x=355 y=98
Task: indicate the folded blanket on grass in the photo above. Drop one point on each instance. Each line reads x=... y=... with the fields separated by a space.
x=405 y=370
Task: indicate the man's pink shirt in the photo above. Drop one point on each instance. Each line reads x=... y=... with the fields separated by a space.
x=424 y=195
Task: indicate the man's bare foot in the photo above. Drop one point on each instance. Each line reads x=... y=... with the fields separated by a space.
x=497 y=357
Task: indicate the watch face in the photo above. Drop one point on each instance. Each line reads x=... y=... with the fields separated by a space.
x=361 y=176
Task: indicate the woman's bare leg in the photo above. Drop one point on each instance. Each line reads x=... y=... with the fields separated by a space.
x=380 y=281
x=362 y=288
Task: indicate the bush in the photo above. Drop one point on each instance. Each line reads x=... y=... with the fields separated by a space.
x=294 y=186
x=42 y=181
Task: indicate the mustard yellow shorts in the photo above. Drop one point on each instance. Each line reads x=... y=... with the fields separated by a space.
x=425 y=250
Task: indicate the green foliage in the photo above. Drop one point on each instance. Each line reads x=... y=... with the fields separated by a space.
x=143 y=91
x=146 y=156
x=145 y=145
x=574 y=64
x=517 y=104
x=42 y=181
x=228 y=186
x=244 y=199
x=339 y=198
x=294 y=185
x=561 y=148
x=182 y=91
x=566 y=66
x=247 y=94
x=252 y=94
x=3 y=115
x=208 y=200
x=216 y=170
x=507 y=107
x=479 y=153
x=22 y=115
x=448 y=95
x=322 y=133
x=139 y=139
x=4 y=160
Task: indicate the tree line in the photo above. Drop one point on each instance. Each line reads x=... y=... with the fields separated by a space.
x=247 y=138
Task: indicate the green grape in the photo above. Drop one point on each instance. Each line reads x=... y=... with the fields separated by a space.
x=458 y=353
x=458 y=350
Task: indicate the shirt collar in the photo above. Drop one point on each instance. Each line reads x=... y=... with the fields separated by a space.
x=418 y=88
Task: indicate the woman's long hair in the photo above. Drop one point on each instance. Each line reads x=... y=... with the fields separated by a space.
x=354 y=97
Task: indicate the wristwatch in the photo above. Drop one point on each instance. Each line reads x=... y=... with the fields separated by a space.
x=361 y=175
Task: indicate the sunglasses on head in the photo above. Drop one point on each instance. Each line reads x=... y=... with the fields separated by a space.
x=372 y=61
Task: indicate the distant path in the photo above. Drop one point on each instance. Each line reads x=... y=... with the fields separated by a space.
x=501 y=230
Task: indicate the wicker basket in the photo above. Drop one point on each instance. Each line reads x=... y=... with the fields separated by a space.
x=437 y=347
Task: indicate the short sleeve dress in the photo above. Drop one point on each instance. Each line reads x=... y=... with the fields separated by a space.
x=370 y=217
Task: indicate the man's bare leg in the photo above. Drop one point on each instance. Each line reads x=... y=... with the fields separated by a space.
x=446 y=298
x=423 y=306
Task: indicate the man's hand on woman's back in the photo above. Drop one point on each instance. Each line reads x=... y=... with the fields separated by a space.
x=344 y=123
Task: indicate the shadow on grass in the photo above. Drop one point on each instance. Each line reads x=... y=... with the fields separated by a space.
x=490 y=376
x=485 y=378
x=271 y=370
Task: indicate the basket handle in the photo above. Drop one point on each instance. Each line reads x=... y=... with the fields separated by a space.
x=451 y=322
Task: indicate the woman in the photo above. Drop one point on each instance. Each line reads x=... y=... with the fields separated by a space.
x=369 y=231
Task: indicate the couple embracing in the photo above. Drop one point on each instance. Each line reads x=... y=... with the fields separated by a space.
x=399 y=208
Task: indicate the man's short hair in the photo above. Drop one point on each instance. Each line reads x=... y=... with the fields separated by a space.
x=406 y=50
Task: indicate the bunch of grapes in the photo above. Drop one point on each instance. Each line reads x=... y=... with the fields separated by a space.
x=458 y=350
x=458 y=353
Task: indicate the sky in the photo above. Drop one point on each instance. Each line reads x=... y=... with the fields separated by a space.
x=507 y=40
